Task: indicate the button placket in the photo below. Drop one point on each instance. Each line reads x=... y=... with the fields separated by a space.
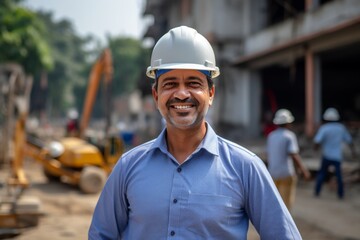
x=176 y=202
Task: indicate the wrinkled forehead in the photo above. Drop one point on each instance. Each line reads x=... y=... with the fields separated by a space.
x=179 y=72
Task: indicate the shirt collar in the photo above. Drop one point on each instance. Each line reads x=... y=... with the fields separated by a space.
x=209 y=143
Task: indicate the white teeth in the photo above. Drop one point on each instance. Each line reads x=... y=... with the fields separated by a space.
x=182 y=107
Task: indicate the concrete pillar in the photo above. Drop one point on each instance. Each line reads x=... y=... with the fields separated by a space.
x=308 y=5
x=317 y=90
x=255 y=104
x=311 y=4
x=309 y=92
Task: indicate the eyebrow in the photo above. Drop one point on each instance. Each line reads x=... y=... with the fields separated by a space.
x=169 y=78
x=190 y=78
x=196 y=77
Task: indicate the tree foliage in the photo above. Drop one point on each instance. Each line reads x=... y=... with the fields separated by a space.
x=70 y=62
x=21 y=38
x=129 y=59
x=43 y=45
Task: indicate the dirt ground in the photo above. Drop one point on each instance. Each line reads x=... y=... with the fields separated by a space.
x=67 y=212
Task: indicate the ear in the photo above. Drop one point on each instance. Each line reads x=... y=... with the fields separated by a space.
x=155 y=95
x=211 y=95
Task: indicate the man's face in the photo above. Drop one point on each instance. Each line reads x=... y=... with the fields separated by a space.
x=183 y=97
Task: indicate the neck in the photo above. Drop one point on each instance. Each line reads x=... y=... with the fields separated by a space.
x=183 y=142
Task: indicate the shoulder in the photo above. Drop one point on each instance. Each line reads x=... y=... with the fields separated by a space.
x=136 y=153
x=286 y=136
x=273 y=134
x=289 y=133
x=140 y=148
x=237 y=155
x=249 y=169
x=232 y=147
x=342 y=126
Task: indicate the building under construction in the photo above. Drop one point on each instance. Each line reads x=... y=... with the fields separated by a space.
x=299 y=55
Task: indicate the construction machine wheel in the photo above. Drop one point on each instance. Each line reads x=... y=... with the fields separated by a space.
x=92 y=179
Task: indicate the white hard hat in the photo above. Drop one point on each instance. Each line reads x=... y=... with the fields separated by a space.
x=73 y=114
x=183 y=48
x=283 y=116
x=55 y=149
x=331 y=114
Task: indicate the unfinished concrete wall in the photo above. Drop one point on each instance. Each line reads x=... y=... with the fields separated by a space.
x=237 y=104
x=329 y=15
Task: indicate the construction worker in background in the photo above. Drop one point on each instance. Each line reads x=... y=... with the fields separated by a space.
x=188 y=183
x=72 y=125
x=283 y=157
x=330 y=136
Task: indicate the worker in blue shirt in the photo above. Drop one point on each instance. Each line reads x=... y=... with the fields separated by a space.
x=188 y=183
x=330 y=137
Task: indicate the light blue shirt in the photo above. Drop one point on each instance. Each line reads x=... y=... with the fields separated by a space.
x=331 y=137
x=212 y=195
x=280 y=143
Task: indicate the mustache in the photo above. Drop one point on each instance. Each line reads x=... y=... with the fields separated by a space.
x=176 y=100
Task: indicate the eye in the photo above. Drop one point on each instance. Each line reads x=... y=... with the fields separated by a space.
x=194 y=84
x=168 y=84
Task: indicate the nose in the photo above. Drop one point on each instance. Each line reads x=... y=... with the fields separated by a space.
x=182 y=92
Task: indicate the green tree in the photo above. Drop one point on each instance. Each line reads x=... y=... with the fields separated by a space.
x=21 y=38
x=129 y=59
x=129 y=64
x=70 y=64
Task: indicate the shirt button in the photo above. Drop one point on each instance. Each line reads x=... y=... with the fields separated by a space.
x=179 y=169
x=172 y=233
x=175 y=200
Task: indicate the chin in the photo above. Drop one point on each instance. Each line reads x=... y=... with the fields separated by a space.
x=185 y=124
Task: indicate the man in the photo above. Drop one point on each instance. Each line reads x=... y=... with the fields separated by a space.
x=188 y=183
x=283 y=157
x=72 y=125
x=331 y=135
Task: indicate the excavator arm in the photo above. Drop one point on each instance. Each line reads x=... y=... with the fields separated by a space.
x=103 y=68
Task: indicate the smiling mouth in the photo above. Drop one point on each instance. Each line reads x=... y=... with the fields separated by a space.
x=182 y=107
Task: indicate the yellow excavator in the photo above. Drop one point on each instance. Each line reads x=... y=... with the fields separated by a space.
x=71 y=159
x=75 y=160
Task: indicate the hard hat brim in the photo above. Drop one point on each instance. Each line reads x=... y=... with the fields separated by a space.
x=215 y=72
x=283 y=121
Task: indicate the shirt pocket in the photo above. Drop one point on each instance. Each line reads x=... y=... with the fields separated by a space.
x=211 y=215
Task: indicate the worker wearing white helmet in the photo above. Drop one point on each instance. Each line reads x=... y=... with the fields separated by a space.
x=73 y=114
x=188 y=183
x=182 y=48
x=330 y=136
x=283 y=157
x=331 y=114
x=172 y=52
x=72 y=125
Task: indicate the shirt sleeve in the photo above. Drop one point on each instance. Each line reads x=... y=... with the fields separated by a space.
x=264 y=202
x=293 y=146
x=319 y=135
x=346 y=136
x=111 y=212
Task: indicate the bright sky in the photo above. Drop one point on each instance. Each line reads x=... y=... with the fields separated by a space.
x=97 y=17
